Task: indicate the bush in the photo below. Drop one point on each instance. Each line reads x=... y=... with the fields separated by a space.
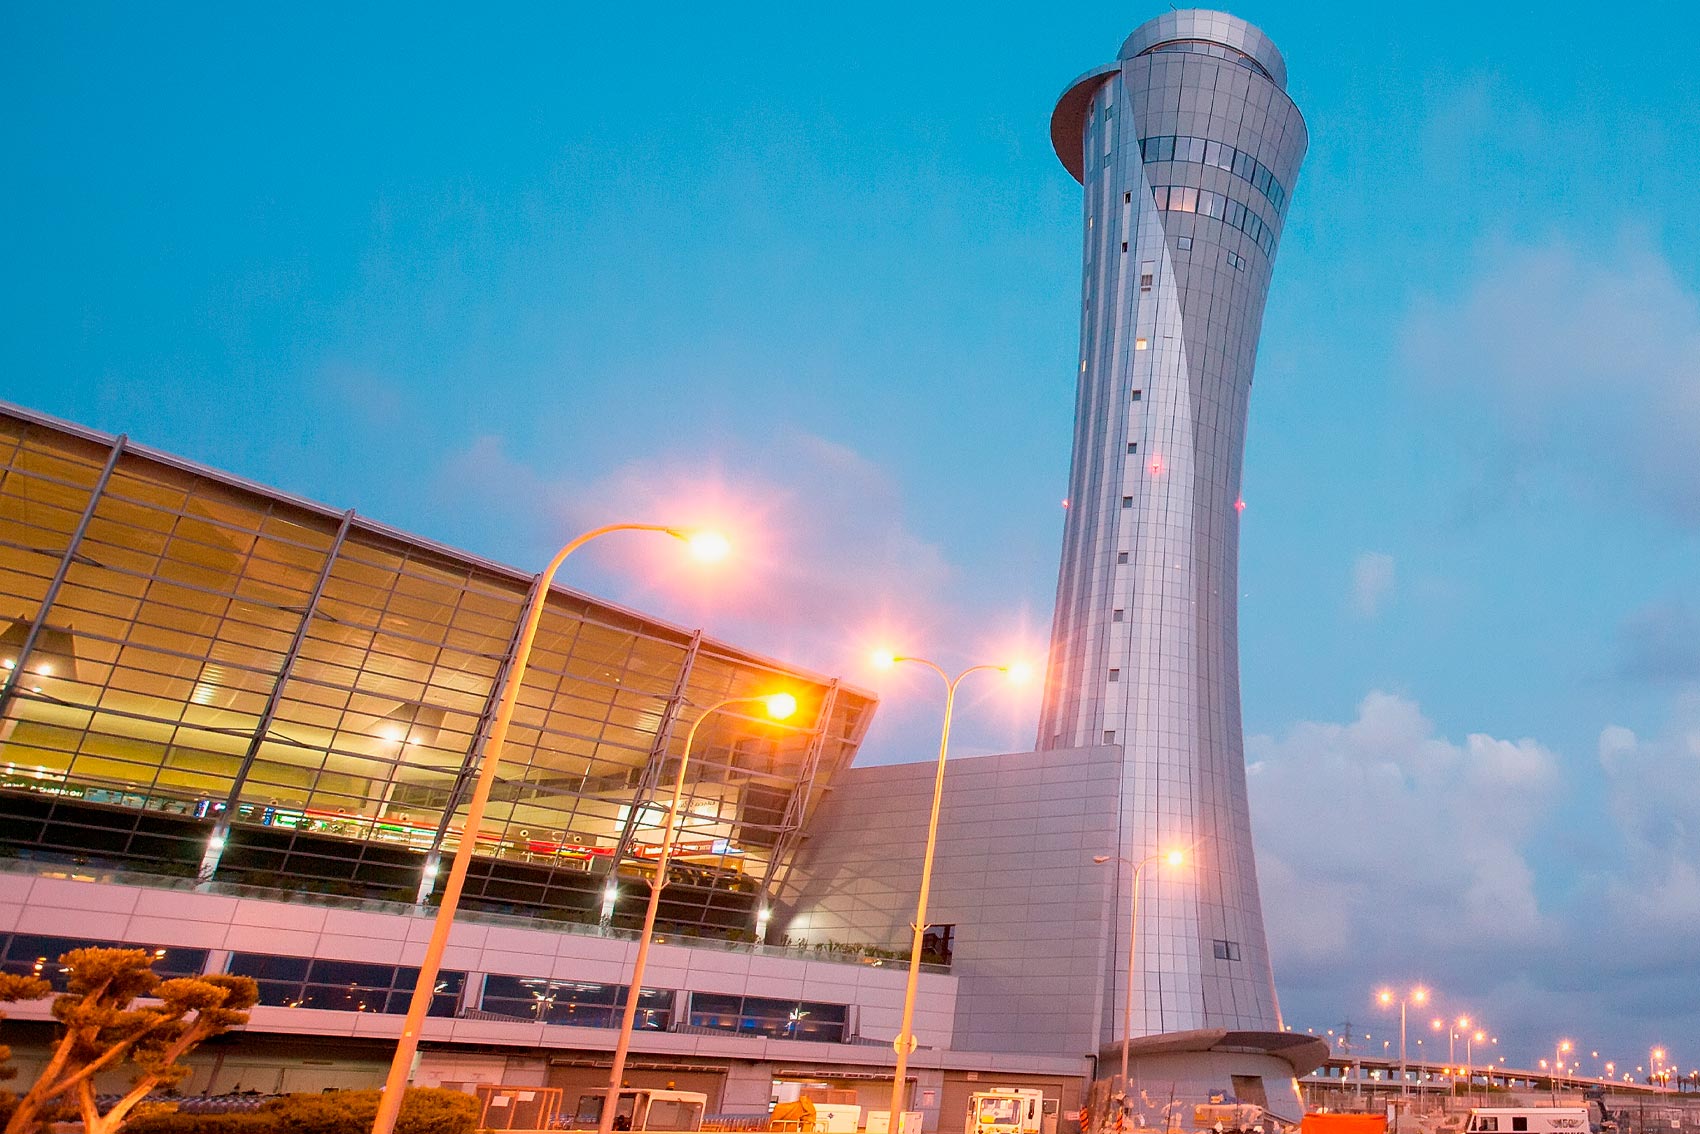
x=172 y=1122
x=425 y=1110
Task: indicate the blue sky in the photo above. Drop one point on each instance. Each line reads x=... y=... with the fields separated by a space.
x=494 y=277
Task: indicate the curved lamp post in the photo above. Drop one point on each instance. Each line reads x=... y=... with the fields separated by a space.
x=905 y=1042
x=706 y=545
x=1173 y=858
x=779 y=707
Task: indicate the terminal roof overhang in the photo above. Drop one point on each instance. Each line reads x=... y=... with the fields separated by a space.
x=230 y=480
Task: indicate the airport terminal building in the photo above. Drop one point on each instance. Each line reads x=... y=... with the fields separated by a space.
x=237 y=728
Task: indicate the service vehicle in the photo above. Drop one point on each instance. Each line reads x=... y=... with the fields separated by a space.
x=1006 y=1110
x=641 y=1108
x=1528 y=1120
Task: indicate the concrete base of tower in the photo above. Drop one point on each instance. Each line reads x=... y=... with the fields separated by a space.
x=1170 y=1074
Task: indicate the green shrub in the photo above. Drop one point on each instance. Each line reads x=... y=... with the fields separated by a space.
x=425 y=1110
x=172 y=1122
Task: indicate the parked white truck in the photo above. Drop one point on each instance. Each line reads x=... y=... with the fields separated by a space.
x=1528 y=1120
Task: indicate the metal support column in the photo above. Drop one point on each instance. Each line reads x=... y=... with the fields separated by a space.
x=214 y=853
x=9 y=685
x=468 y=774
x=657 y=762
x=798 y=805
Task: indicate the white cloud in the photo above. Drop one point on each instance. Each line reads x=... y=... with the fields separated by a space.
x=1544 y=897
x=1588 y=357
x=1404 y=830
x=1372 y=582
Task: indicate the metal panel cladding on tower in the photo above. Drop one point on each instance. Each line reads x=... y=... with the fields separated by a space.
x=1187 y=148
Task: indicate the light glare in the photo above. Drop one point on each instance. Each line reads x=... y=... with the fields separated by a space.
x=708 y=546
x=780 y=705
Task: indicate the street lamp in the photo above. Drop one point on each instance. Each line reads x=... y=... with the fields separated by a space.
x=1558 y=1065
x=1470 y=1041
x=1387 y=998
x=905 y=1042
x=705 y=545
x=1452 y=1034
x=779 y=706
x=1654 y=1064
x=1173 y=858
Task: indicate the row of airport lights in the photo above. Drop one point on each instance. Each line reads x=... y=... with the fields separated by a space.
x=708 y=546
x=1659 y=1070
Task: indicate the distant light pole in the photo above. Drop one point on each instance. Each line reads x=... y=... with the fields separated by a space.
x=905 y=1043
x=706 y=545
x=1173 y=858
x=1417 y=996
x=1470 y=1039
x=1558 y=1065
x=779 y=706
x=1451 y=1036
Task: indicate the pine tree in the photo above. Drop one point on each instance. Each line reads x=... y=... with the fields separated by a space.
x=106 y=1028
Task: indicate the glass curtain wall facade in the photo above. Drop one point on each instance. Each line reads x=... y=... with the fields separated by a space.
x=1186 y=148
x=201 y=676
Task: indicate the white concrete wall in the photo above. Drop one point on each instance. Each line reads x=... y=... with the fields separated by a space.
x=1013 y=872
x=64 y=907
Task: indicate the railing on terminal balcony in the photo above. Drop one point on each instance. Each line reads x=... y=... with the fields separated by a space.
x=847 y=953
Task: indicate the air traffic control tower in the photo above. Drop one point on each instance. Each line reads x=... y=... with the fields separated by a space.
x=1187 y=147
